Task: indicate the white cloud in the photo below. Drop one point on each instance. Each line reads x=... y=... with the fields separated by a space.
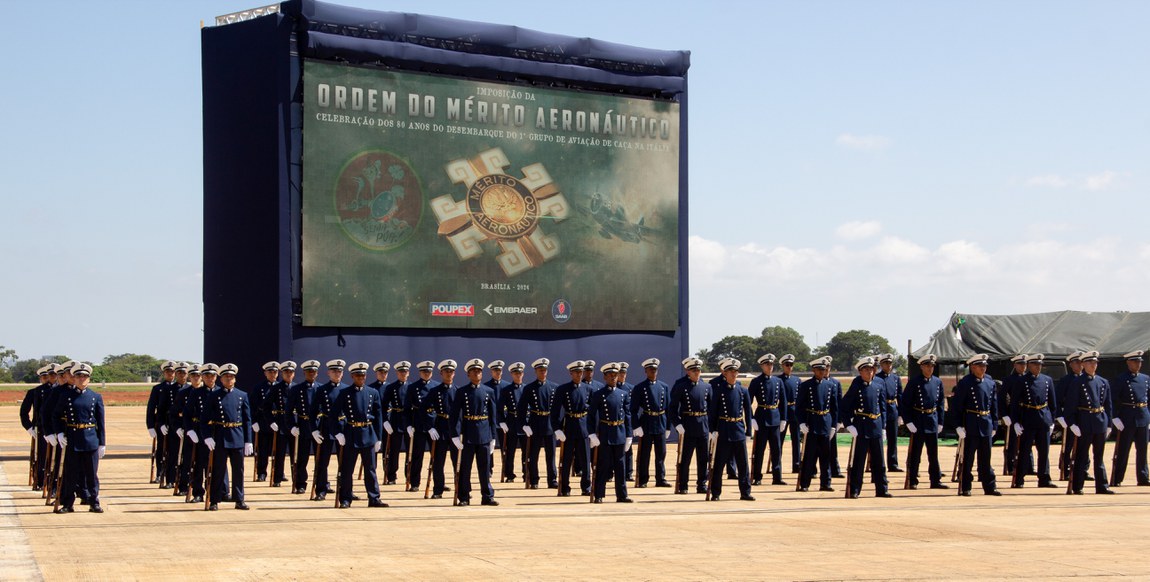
x=1104 y=180
x=1047 y=181
x=858 y=229
x=866 y=143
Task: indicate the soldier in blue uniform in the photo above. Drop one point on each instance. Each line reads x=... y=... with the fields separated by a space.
x=156 y=418
x=258 y=395
x=82 y=436
x=649 y=402
x=381 y=369
x=689 y=412
x=624 y=385
x=535 y=410
x=393 y=396
x=1089 y=408
x=864 y=413
x=438 y=404
x=569 y=421
x=276 y=412
x=472 y=427
x=1010 y=386
x=301 y=424
x=418 y=423
x=837 y=391
x=609 y=411
x=496 y=384
x=30 y=419
x=361 y=423
x=1062 y=388
x=511 y=424
x=326 y=425
x=770 y=397
x=589 y=379
x=193 y=420
x=1033 y=421
x=893 y=393
x=789 y=426
x=1131 y=417
x=228 y=426
x=975 y=410
x=730 y=415
x=921 y=408
x=816 y=411
x=52 y=423
x=176 y=424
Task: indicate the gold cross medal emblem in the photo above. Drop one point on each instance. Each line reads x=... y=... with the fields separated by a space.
x=501 y=208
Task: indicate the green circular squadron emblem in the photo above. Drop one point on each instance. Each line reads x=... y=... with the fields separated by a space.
x=379 y=200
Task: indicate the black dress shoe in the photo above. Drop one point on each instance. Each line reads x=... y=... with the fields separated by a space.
x=939 y=486
x=95 y=508
x=344 y=504
x=242 y=505
x=885 y=494
x=964 y=493
x=662 y=484
x=228 y=497
x=553 y=485
x=179 y=492
x=702 y=490
x=732 y=476
x=1016 y=485
x=838 y=475
x=680 y=492
x=564 y=494
x=462 y=503
x=625 y=500
x=64 y=510
x=854 y=496
x=490 y=502
x=911 y=487
x=597 y=500
x=756 y=482
x=376 y=503
x=746 y=498
x=320 y=496
x=1105 y=491
x=1076 y=492
x=1049 y=485
x=437 y=496
x=355 y=497
x=37 y=488
x=641 y=486
x=827 y=488
x=803 y=489
x=214 y=507
x=779 y=482
x=1146 y=484
x=197 y=499
x=715 y=498
x=84 y=501
x=895 y=469
x=994 y=493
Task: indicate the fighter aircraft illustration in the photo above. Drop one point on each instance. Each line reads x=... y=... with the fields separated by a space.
x=613 y=223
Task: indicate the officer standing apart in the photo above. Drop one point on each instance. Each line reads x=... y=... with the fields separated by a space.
x=817 y=412
x=569 y=419
x=893 y=393
x=1089 y=408
x=689 y=412
x=649 y=401
x=228 y=428
x=1131 y=418
x=1030 y=411
x=535 y=411
x=82 y=436
x=730 y=417
x=362 y=412
x=473 y=433
x=921 y=408
x=770 y=397
x=976 y=413
x=864 y=409
x=610 y=414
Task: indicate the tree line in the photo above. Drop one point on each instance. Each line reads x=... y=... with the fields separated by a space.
x=117 y=368
x=845 y=348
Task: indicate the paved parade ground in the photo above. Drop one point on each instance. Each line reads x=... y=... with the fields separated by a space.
x=146 y=533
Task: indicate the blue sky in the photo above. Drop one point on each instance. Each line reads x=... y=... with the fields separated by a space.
x=870 y=165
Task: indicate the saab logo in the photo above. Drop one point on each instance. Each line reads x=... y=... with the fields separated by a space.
x=452 y=310
x=561 y=310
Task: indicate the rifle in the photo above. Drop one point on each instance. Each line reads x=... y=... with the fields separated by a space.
x=954 y=473
x=527 y=452
x=179 y=462
x=32 y=463
x=710 y=461
x=56 y=502
x=162 y=462
x=386 y=457
x=430 y=466
x=594 y=469
x=909 y=450
x=802 y=457
x=851 y=464
x=273 y=480
x=1063 y=462
x=152 y=478
x=503 y=453
x=208 y=488
x=563 y=480
x=1007 y=469
x=191 y=467
x=407 y=465
x=48 y=468
x=679 y=463
x=56 y=470
x=1114 y=461
x=338 y=472
x=1019 y=474
x=294 y=456
x=255 y=456
x=1073 y=458
x=455 y=497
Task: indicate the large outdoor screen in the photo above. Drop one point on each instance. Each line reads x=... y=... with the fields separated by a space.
x=442 y=202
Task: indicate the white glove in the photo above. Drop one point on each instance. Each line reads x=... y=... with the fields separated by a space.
x=1006 y=420
x=63 y=439
x=411 y=432
x=713 y=438
x=1107 y=432
x=491 y=447
x=782 y=428
x=1018 y=429
x=318 y=437
x=249 y=450
x=164 y=429
x=1061 y=421
x=51 y=438
x=527 y=430
x=195 y=437
x=911 y=427
x=666 y=434
x=100 y=451
x=458 y=442
x=211 y=442
x=900 y=422
x=854 y=431
x=295 y=431
x=833 y=431
x=180 y=432
x=840 y=427
x=152 y=432
x=275 y=427
x=255 y=427
x=594 y=440
x=434 y=434
x=32 y=432
x=562 y=436
x=1074 y=429
x=342 y=440
x=1118 y=424
x=627 y=444
x=377 y=447
x=961 y=432
x=387 y=427
x=503 y=425
x=1052 y=429
x=803 y=428
x=679 y=429
x=638 y=433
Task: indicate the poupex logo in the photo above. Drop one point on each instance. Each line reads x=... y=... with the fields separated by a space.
x=452 y=310
x=561 y=310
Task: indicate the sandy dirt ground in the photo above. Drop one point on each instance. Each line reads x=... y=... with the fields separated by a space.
x=147 y=534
